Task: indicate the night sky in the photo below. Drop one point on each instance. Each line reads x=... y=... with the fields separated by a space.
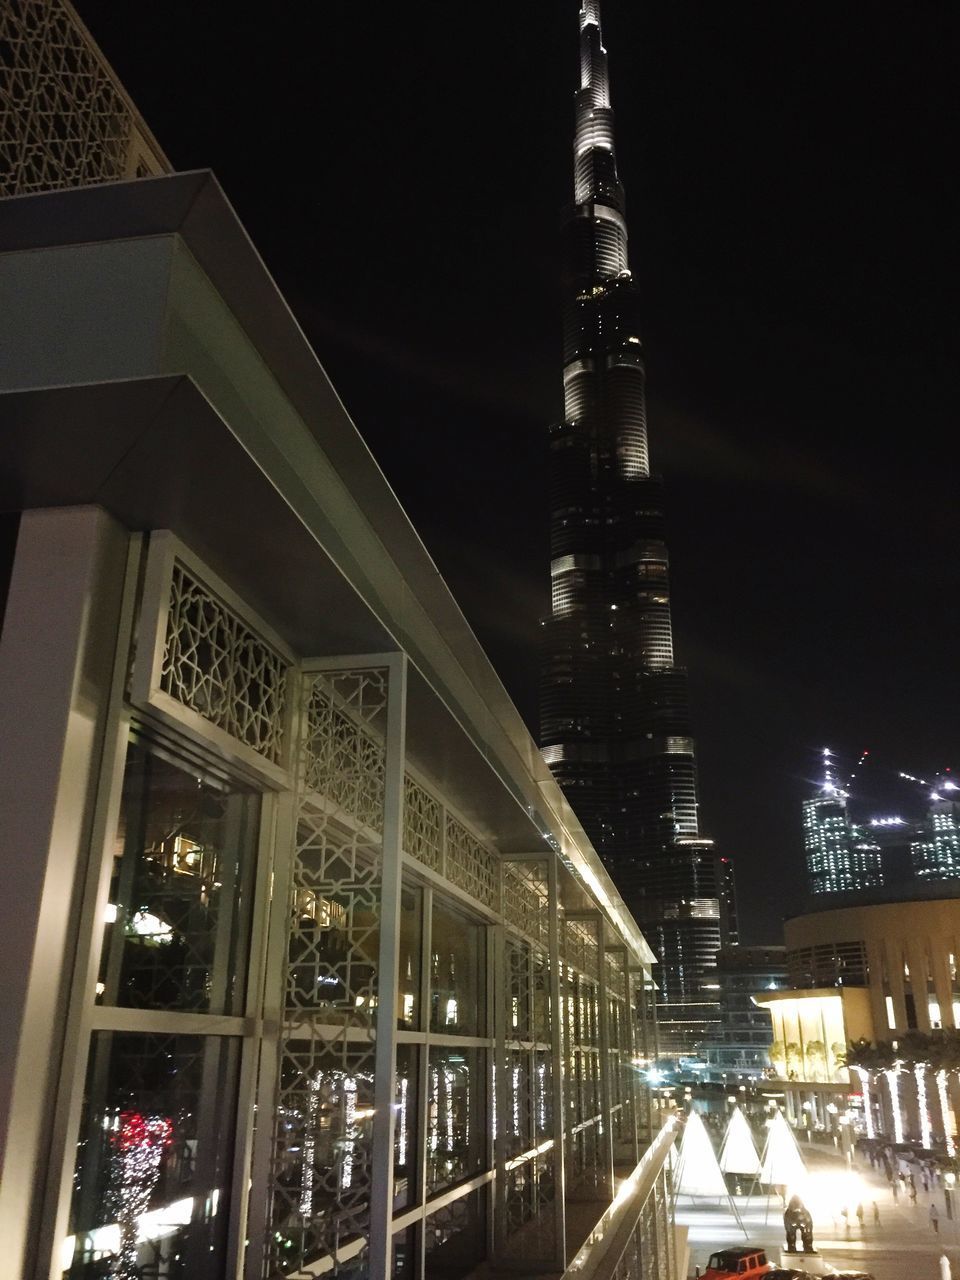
x=793 y=207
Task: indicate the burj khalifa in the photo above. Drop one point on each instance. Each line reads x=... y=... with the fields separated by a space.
x=615 y=720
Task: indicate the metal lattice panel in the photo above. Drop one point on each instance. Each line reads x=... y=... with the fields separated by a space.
x=581 y=947
x=525 y=899
x=65 y=120
x=216 y=666
x=470 y=866
x=321 y=1184
x=344 y=755
x=422 y=825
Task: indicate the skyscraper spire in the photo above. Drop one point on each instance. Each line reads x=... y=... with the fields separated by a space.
x=614 y=716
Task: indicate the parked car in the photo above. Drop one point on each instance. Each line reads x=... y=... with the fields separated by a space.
x=737 y=1264
x=792 y=1273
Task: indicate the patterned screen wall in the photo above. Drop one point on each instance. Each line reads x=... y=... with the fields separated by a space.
x=65 y=119
x=215 y=665
x=322 y=1172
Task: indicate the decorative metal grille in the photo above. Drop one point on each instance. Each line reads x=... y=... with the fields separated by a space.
x=216 y=666
x=323 y=1133
x=525 y=899
x=580 y=946
x=344 y=756
x=65 y=119
x=470 y=866
x=422 y=825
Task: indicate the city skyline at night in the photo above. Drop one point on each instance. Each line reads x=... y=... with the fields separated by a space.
x=792 y=235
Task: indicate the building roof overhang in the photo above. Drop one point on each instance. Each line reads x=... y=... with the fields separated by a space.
x=233 y=437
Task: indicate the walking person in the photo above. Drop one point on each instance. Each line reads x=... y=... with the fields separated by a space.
x=860 y=1216
x=876 y=1214
x=935 y=1219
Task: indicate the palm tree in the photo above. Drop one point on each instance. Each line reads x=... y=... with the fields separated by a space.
x=815 y=1052
x=794 y=1058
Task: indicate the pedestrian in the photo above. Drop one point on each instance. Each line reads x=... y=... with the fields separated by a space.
x=895 y=1188
x=860 y=1215
x=913 y=1192
x=934 y=1219
x=876 y=1214
x=844 y=1214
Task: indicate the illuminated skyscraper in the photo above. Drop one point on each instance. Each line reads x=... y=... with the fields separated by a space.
x=615 y=723
x=861 y=854
x=935 y=853
x=840 y=855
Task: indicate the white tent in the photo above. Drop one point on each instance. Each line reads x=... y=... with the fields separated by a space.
x=697 y=1172
x=782 y=1164
x=738 y=1153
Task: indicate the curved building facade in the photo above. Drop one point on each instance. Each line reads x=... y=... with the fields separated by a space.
x=615 y=722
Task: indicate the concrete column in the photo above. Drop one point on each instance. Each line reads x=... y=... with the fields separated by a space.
x=57 y=655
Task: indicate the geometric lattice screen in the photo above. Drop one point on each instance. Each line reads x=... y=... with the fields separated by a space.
x=321 y=1183
x=215 y=665
x=65 y=120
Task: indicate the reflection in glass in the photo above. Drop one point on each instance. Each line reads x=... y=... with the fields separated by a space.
x=404 y=1260
x=455 y=1237
x=541 y=997
x=411 y=933
x=454 y=1116
x=153 y=1160
x=405 y=1128
x=456 y=987
x=323 y=1148
x=176 y=926
x=334 y=941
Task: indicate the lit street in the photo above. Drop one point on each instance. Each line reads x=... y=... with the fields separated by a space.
x=903 y=1246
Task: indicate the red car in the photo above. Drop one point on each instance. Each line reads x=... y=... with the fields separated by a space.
x=737 y=1264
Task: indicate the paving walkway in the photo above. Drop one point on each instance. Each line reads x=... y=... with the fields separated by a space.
x=903 y=1246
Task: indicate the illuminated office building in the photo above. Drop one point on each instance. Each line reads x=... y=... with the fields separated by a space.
x=935 y=849
x=308 y=966
x=880 y=855
x=615 y=724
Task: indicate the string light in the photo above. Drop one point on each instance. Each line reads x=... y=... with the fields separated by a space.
x=139 y=1142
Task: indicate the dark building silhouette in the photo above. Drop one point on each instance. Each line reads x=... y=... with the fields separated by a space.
x=615 y=721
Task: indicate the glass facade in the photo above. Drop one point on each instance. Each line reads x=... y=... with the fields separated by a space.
x=155 y=1146
x=153 y=1157
x=177 y=924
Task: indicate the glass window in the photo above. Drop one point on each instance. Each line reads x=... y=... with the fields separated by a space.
x=154 y=1156
x=405 y=1128
x=335 y=934
x=455 y=1111
x=456 y=987
x=322 y=1166
x=455 y=1237
x=404 y=1263
x=177 y=922
x=411 y=936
